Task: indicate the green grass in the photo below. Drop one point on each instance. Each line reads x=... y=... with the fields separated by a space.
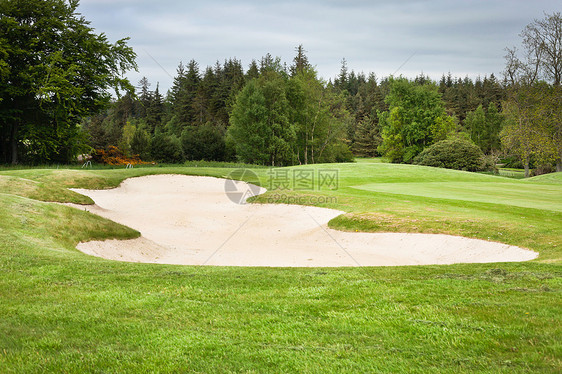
x=545 y=197
x=63 y=311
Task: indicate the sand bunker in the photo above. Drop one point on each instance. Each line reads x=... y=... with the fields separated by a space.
x=191 y=221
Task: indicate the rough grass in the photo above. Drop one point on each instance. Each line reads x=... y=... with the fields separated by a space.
x=63 y=311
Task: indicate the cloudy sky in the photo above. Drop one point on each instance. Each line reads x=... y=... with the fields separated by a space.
x=464 y=37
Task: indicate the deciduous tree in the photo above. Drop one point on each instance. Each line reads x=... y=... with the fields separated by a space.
x=527 y=133
x=415 y=120
x=259 y=121
x=54 y=69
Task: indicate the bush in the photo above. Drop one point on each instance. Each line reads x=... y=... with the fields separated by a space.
x=204 y=142
x=337 y=152
x=114 y=156
x=140 y=144
x=543 y=169
x=166 y=148
x=455 y=153
x=490 y=163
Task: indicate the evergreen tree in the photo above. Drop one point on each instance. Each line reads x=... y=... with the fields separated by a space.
x=367 y=138
x=230 y=82
x=300 y=62
x=145 y=97
x=341 y=81
x=154 y=110
x=253 y=71
x=184 y=92
x=177 y=86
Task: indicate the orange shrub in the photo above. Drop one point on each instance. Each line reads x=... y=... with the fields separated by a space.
x=114 y=156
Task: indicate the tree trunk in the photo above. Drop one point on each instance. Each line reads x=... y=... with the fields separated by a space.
x=526 y=165
x=559 y=165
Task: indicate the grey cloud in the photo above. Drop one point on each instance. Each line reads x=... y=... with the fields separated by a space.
x=464 y=37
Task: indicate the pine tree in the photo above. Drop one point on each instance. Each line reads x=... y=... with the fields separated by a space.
x=300 y=62
x=341 y=81
x=253 y=71
x=176 y=91
x=184 y=92
x=155 y=110
x=367 y=138
x=144 y=97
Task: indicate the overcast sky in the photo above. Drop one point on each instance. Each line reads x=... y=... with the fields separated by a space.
x=464 y=37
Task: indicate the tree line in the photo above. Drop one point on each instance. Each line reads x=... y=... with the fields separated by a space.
x=270 y=114
x=55 y=102
x=279 y=114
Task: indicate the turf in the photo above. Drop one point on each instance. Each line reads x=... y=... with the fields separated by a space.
x=63 y=311
x=545 y=197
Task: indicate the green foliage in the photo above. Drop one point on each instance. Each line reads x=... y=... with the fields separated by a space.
x=166 y=148
x=416 y=119
x=367 y=138
x=259 y=122
x=59 y=71
x=196 y=100
x=140 y=144
x=527 y=134
x=125 y=143
x=325 y=117
x=337 y=152
x=282 y=120
x=455 y=153
x=320 y=118
x=204 y=142
x=484 y=127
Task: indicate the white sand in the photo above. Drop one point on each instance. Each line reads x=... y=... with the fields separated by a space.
x=191 y=221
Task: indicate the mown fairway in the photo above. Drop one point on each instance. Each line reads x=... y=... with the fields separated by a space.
x=63 y=311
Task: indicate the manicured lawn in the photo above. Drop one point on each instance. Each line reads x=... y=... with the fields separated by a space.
x=545 y=197
x=63 y=311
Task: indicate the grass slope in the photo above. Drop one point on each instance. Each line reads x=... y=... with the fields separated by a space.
x=63 y=311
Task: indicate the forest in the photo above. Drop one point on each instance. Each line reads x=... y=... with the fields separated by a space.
x=58 y=106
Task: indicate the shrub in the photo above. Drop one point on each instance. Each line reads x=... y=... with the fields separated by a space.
x=204 y=142
x=543 y=169
x=140 y=144
x=166 y=148
x=490 y=163
x=114 y=156
x=337 y=152
x=455 y=153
